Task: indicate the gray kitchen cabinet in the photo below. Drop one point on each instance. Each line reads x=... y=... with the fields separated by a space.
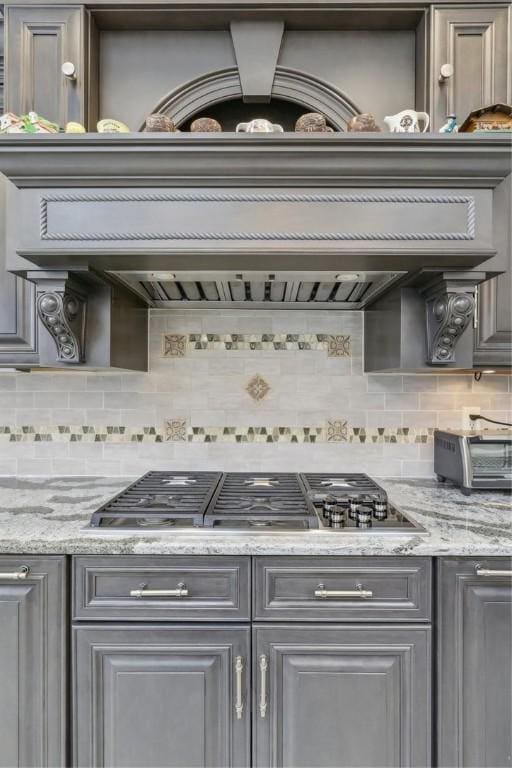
x=493 y=335
x=474 y=698
x=39 y=39
x=475 y=39
x=32 y=662
x=161 y=696
x=18 y=326
x=341 y=696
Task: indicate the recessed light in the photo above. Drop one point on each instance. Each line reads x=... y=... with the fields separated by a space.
x=488 y=370
x=347 y=277
x=164 y=276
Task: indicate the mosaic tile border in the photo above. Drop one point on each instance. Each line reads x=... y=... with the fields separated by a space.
x=177 y=345
x=179 y=430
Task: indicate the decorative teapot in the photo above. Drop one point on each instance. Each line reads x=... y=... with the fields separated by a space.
x=407 y=121
x=259 y=125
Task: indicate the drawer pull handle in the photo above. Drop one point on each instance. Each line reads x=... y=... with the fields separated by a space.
x=181 y=591
x=239 y=700
x=18 y=575
x=489 y=572
x=322 y=592
x=263 y=685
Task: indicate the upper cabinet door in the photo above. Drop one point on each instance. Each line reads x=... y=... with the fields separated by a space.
x=32 y=662
x=474 y=708
x=476 y=41
x=164 y=697
x=39 y=39
x=341 y=697
x=493 y=337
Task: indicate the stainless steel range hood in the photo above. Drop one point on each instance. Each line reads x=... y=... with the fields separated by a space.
x=259 y=290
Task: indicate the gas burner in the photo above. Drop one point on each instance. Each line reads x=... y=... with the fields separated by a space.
x=260 y=504
x=177 y=480
x=154 y=522
x=337 y=482
x=159 y=500
x=262 y=482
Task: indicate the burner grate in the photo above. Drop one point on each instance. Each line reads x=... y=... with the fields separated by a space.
x=255 y=498
x=160 y=496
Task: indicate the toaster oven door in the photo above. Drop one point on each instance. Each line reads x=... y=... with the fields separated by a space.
x=491 y=459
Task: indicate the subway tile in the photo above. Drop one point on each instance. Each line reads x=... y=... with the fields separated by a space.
x=490 y=384
x=8 y=467
x=436 y=402
x=7 y=383
x=402 y=402
x=453 y=383
x=417 y=468
x=419 y=383
x=384 y=383
x=49 y=399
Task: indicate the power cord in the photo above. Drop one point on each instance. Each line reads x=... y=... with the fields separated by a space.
x=476 y=417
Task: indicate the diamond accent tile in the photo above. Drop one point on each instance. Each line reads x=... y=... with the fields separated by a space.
x=337 y=431
x=174 y=345
x=175 y=430
x=338 y=346
x=257 y=388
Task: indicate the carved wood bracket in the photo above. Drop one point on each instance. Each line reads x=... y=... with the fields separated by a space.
x=61 y=307
x=450 y=306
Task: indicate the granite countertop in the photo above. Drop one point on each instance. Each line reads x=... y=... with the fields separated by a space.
x=48 y=514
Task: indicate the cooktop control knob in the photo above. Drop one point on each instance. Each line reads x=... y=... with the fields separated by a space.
x=337 y=517
x=328 y=505
x=364 y=517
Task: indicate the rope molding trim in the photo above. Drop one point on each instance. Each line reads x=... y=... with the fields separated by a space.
x=239 y=197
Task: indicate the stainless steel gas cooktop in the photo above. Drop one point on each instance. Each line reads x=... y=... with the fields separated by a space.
x=276 y=502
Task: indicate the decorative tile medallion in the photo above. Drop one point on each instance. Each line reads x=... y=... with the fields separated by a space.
x=335 y=345
x=338 y=346
x=174 y=345
x=337 y=431
x=257 y=388
x=175 y=430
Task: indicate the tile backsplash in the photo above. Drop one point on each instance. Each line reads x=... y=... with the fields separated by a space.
x=228 y=389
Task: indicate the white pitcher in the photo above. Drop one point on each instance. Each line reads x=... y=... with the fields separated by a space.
x=407 y=121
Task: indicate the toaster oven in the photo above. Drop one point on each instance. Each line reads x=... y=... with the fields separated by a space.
x=474 y=460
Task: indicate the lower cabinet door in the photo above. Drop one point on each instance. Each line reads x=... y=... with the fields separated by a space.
x=341 y=696
x=147 y=696
x=33 y=662
x=474 y=691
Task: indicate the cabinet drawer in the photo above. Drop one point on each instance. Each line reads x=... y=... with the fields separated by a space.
x=342 y=588
x=161 y=588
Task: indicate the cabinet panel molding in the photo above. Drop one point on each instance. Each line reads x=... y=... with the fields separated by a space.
x=39 y=40
x=33 y=663
x=161 y=696
x=476 y=41
x=474 y=634
x=342 y=696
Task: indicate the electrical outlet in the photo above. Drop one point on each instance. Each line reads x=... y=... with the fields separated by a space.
x=466 y=421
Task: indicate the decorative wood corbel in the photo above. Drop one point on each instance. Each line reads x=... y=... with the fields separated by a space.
x=61 y=307
x=450 y=306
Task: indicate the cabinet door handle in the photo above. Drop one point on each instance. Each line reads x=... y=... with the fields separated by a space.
x=490 y=572
x=181 y=591
x=239 y=700
x=263 y=685
x=18 y=575
x=322 y=592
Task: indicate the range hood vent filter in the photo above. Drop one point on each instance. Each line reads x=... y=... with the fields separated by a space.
x=257 y=290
